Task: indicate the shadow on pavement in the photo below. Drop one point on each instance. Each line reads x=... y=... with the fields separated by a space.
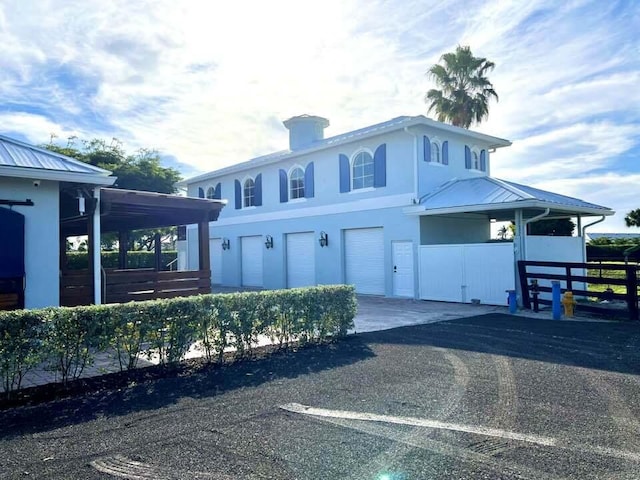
x=207 y=382
x=598 y=345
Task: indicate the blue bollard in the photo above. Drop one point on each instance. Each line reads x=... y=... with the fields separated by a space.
x=513 y=301
x=556 y=305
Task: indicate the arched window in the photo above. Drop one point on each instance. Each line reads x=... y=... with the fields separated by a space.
x=362 y=171
x=475 y=160
x=249 y=193
x=435 y=153
x=211 y=193
x=296 y=183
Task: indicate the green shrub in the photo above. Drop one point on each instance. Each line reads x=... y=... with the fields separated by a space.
x=67 y=339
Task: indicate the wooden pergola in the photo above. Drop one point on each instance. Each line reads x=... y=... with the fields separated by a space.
x=122 y=211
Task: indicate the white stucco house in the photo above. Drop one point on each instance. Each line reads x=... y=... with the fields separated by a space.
x=401 y=208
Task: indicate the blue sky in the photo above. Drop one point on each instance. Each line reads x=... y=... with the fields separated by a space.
x=208 y=83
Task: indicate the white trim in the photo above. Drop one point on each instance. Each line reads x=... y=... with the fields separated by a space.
x=304 y=184
x=438 y=142
x=420 y=120
x=242 y=184
x=361 y=190
x=56 y=175
x=519 y=204
x=97 y=261
x=389 y=201
x=298 y=200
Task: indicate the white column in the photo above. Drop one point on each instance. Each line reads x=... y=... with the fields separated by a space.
x=97 y=264
x=519 y=250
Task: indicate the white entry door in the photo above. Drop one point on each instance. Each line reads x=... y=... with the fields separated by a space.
x=301 y=265
x=215 y=259
x=402 y=258
x=252 y=261
x=364 y=259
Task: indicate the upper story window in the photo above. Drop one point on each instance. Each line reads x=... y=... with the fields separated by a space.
x=475 y=160
x=249 y=193
x=200 y=192
x=362 y=171
x=435 y=152
x=296 y=183
x=211 y=193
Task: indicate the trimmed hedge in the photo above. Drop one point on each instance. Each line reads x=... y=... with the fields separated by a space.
x=135 y=259
x=66 y=339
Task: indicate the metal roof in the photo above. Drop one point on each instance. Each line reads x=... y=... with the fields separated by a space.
x=390 y=125
x=18 y=154
x=486 y=194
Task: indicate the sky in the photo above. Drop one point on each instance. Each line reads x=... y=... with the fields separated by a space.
x=208 y=83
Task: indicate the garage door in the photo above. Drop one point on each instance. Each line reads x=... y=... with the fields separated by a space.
x=251 y=261
x=301 y=265
x=364 y=259
x=215 y=258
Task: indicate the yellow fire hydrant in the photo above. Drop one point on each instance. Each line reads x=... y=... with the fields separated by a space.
x=569 y=303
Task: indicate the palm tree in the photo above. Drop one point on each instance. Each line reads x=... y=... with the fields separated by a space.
x=632 y=219
x=464 y=92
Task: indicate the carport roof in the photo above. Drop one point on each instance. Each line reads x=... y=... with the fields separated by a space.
x=486 y=194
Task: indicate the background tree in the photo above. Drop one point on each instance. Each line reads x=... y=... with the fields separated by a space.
x=561 y=227
x=139 y=171
x=632 y=219
x=464 y=90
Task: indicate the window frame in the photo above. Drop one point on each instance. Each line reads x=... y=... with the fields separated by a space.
x=290 y=187
x=438 y=144
x=352 y=166
x=211 y=189
x=475 y=155
x=244 y=196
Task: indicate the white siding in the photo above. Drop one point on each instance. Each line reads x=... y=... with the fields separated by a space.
x=364 y=260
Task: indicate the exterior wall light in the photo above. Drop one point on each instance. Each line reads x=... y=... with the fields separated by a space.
x=324 y=239
x=226 y=244
x=269 y=242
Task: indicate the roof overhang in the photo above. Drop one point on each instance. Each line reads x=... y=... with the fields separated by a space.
x=506 y=207
x=127 y=210
x=57 y=175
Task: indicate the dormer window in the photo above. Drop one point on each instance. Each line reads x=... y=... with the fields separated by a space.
x=249 y=193
x=296 y=183
x=362 y=171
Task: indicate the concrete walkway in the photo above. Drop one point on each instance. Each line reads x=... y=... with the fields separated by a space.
x=374 y=314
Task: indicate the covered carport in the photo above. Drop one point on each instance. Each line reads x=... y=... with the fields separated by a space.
x=457 y=259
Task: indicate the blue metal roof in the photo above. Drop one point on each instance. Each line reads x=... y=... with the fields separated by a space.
x=18 y=154
x=492 y=192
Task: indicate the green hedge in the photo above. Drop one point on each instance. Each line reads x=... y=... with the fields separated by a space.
x=135 y=259
x=611 y=253
x=66 y=340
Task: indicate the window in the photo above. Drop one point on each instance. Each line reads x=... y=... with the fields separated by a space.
x=362 y=170
x=296 y=183
x=435 y=153
x=211 y=193
x=249 y=193
x=200 y=192
x=475 y=160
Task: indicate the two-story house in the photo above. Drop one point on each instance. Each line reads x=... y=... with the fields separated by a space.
x=360 y=208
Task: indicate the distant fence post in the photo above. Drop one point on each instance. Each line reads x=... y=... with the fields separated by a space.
x=632 y=291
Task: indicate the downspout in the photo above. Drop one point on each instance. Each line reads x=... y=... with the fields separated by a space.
x=584 y=243
x=524 y=230
x=97 y=265
x=415 y=163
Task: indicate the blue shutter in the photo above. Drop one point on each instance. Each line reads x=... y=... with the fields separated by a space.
x=427 y=149
x=483 y=160
x=445 y=152
x=308 y=181
x=217 y=192
x=467 y=157
x=345 y=177
x=258 y=190
x=284 y=187
x=380 y=166
x=238 y=195
x=200 y=192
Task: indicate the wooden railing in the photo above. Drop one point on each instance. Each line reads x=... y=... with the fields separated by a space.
x=572 y=279
x=127 y=285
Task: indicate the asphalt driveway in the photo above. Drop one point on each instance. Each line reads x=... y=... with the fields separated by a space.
x=492 y=396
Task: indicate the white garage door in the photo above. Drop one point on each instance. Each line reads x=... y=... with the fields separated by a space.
x=301 y=265
x=364 y=259
x=215 y=259
x=251 y=261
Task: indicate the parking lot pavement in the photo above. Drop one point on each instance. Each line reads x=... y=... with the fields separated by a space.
x=492 y=396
